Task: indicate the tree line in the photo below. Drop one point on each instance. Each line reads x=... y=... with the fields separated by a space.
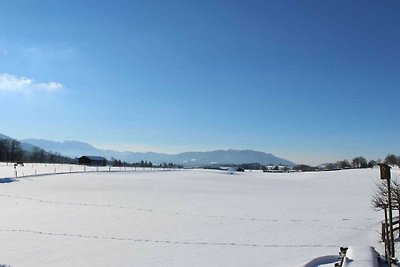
x=12 y=151
x=355 y=163
x=143 y=164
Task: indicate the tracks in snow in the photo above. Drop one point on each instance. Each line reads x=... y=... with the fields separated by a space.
x=75 y=203
x=295 y=221
x=170 y=242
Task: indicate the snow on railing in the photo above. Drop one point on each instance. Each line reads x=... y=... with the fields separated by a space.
x=360 y=256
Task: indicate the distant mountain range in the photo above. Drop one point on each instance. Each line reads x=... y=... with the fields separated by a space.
x=76 y=149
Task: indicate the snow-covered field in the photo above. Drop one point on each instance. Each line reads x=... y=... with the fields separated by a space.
x=184 y=218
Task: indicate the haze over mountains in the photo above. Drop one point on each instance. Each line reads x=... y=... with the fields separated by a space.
x=77 y=149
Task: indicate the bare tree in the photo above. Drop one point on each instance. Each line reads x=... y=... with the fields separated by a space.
x=372 y=163
x=380 y=197
x=343 y=164
x=359 y=162
x=391 y=159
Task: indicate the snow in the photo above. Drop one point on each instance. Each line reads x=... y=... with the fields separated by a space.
x=360 y=256
x=185 y=217
x=324 y=261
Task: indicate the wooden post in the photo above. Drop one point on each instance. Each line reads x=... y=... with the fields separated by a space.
x=383 y=232
x=386 y=236
x=392 y=254
x=385 y=174
x=398 y=209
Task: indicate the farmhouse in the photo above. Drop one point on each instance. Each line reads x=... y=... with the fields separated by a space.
x=92 y=161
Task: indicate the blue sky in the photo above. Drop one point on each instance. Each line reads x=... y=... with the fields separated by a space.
x=312 y=81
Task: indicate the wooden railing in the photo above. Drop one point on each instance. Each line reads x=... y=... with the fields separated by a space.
x=385 y=229
x=385 y=236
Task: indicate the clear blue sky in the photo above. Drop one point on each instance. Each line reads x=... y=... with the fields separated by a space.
x=312 y=81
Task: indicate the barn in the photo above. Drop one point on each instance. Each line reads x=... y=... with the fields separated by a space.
x=92 y=161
